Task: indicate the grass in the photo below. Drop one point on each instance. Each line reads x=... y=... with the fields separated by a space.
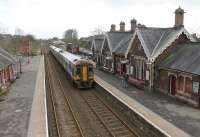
x=2 y=92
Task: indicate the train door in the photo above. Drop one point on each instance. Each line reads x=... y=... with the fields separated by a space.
x=84 y=72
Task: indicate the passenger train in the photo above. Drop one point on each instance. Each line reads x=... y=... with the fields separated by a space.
x=80 y=70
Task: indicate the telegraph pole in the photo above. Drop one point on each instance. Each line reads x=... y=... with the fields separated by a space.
x=20 y=65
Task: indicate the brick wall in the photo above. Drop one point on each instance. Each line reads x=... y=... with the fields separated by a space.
x=163 y=81
x=141 y=126
x=182 y=39
x=136 y=48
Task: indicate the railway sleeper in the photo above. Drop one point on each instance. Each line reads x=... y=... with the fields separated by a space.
x=115 y=124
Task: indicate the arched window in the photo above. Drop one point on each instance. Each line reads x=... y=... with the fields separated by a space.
x=181 y=83
x=140 y=69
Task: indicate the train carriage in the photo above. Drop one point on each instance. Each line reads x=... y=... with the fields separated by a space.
x=80 y=70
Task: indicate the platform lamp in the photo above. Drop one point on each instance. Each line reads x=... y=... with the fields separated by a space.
x=19 y=59
x=28 y=50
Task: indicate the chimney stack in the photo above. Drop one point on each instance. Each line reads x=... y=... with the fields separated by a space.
x=179 y=17
x=112 y=29
x=133 y=25
x=122 y=26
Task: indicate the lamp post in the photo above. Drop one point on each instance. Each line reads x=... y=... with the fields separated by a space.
x=28 y=51
x=20 y=65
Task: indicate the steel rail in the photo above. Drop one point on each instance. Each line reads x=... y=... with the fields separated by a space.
x=99 y=117
x=116 y=115
x=68 y=103
x=87 y=105
x=53 y=103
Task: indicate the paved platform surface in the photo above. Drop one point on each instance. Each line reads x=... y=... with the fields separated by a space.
x=38 y=126
x=165 y=127
x=181 y=115
x=16 y=107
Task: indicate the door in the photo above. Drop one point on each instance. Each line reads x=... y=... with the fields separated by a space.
x=123 y=68
x=84 y=72
x=172 y=81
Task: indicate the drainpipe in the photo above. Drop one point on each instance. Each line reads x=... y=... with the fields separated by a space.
x=150 y=66
x=199 y=99
x=114 y=63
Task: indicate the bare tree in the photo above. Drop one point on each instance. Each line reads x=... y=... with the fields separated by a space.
x=70 y=35
x=19 y=31
x=98 y=31
x=3 y=29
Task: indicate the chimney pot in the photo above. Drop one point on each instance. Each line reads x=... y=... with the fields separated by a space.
x=133 y=24
x=112 y=29
x=122 y=26
x=179 y=17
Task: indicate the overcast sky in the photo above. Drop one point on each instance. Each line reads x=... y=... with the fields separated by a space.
x=49 y=18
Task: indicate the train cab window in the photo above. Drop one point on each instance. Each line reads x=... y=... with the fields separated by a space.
x=78 y=70
x=90 y=68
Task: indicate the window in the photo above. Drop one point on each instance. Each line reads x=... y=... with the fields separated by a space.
x=180 y=83
x=147 y=75
x=131 y=70
x=136 y=69
x=140 y=70
x=90 y=69
x=78 y=70
x=188 y=86
x=139 y=47
x=143 y=70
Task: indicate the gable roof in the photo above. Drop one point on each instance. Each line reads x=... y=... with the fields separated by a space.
x=122 y=47
x=5 y=54
x=184 y=58
x=5 y=58
x=97 y=42
x=114 y=38
x=156 y=40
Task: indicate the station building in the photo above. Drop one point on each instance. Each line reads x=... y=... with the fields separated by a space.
x=179 y=73
x=96 y=48
x=143 y=52
x=113 y=48
x=7 y=69
x=148 y=48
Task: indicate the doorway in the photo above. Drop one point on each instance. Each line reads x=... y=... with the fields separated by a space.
x=123 y=69
x=172 y=84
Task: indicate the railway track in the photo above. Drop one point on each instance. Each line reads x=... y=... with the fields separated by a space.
x=87 y=129
x=66 y=122
x=54 y=130
x=51 y=113
x=110 y=121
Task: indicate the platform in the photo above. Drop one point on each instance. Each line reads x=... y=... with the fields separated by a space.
x=152 y=118
x=38 y=126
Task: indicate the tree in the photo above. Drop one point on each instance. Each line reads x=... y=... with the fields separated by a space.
x=30 y=37
x=3 y=29
x=98 y=31
x=55 y=39
x=19 y=32
x=70 y=35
